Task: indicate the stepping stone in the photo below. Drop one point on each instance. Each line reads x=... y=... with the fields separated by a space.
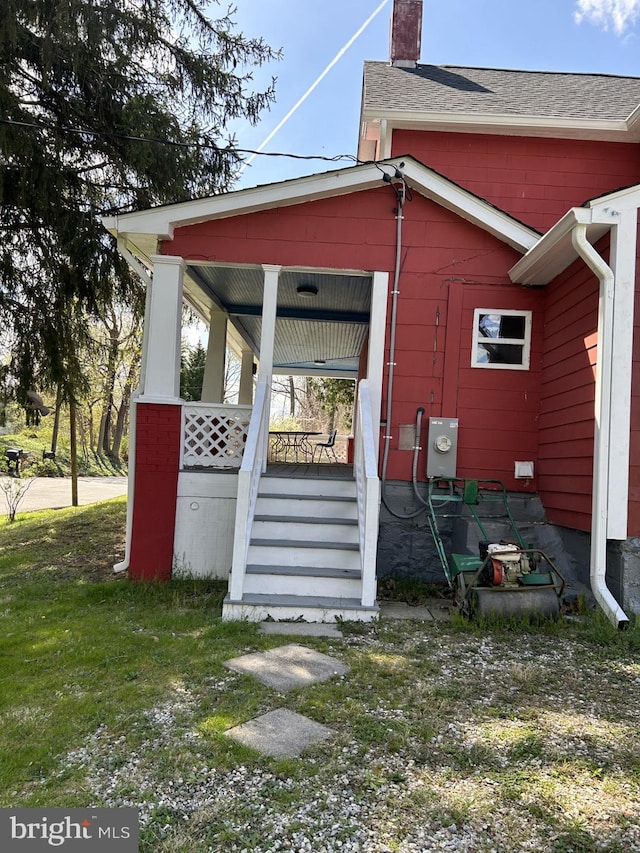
x=301 y=629
x=434 y=609
x=288 y=666
x=280 y=733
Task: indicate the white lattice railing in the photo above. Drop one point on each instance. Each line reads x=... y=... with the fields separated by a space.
x=214 y=436
x=368 y=493
x=253 y=463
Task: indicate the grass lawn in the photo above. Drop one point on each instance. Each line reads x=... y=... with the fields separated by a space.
x=34 y=439
x=447 y=736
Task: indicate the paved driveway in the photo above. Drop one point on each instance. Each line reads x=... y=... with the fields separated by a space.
x=55 y=492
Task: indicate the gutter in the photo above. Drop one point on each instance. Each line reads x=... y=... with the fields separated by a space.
x=604 y=367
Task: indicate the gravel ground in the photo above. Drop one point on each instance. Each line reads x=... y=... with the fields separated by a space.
x=484 y=744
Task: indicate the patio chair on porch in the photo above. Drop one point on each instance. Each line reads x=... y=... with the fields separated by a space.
x=327 y=447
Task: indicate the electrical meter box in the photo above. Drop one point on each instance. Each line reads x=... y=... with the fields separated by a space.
x=442 y=447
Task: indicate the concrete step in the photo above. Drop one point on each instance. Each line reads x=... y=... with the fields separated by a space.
x=269 y=552
x=268 y=527
x=309 y=571
x=312 y=486
x=307 y=506
x=257 y=608
x=302 y=580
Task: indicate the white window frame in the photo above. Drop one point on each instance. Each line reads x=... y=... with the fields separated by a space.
x=525 y=342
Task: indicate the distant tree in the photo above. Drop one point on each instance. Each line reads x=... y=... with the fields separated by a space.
x=4 y=393
x=116 y=347
x=232 y=370
x=291 y=388
x=334 y=396
x=104 y=105
x=192 y=372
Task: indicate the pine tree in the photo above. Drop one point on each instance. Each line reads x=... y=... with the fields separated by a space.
x=84 y=87
x=192 y=372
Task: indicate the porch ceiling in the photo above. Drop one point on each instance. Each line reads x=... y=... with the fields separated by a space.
x=329 y=327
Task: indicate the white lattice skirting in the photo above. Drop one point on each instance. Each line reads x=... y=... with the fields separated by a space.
x=214 y=436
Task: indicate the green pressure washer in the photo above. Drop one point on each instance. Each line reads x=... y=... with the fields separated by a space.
x=506 y=577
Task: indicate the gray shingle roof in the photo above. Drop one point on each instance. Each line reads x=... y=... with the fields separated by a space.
x=492 y=91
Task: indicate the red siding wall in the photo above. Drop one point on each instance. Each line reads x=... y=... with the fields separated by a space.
x=567 y=397
x=349 y=232
x=154 y=509
x=441 y=254
x=498 y=409
x=535 y=180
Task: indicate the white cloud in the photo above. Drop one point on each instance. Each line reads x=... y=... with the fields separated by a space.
x=616 y=14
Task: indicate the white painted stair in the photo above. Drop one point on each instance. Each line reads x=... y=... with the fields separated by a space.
x=304 y=553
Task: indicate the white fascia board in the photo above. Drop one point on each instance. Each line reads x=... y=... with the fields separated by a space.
x=469 y=206
x=633 y=119
x=611 y=205
x=552 y=253
x=502 y=123
x=162 y=221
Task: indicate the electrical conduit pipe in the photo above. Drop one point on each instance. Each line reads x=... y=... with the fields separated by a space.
x=604 y=368
x=401 y=198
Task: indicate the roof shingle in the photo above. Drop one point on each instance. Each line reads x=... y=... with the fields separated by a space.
x=491 y=91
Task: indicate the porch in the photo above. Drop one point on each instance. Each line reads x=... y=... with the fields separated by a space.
x=294 y=536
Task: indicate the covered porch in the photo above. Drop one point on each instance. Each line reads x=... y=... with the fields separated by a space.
x=290 y=321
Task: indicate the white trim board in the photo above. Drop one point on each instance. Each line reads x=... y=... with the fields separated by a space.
x=160 y=223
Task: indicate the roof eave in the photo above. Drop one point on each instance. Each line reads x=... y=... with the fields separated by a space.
x=145 y=228
x=554 y=252
x=499 y=123
x=162 y=221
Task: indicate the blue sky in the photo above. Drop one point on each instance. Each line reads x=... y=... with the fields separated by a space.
x=599 y=36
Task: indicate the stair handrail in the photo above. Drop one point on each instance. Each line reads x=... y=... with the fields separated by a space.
x=368 y=492
x=252 y=466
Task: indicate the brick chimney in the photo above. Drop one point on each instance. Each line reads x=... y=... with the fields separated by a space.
x=406 y=33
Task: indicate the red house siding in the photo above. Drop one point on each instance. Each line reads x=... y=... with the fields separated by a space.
x=158 y=431
x=567 y=397
x=535 y=180
x=350 y=232
x=497 y=409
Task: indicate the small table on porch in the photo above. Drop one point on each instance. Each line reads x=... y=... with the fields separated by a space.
x=295 y=442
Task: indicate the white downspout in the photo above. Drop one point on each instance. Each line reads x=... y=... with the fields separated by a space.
x=138 y=268
x=600 y=500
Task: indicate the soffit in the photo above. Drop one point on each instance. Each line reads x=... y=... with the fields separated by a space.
x=330 y=327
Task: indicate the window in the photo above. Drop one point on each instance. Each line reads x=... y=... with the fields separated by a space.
x=501 y=339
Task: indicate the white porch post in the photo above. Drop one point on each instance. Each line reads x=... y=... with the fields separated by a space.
x=269 y=304
x=267 y=340
x=375 y=356
x=245 y=391
x=213 y=382
x=623 y=264
x=162 y=333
